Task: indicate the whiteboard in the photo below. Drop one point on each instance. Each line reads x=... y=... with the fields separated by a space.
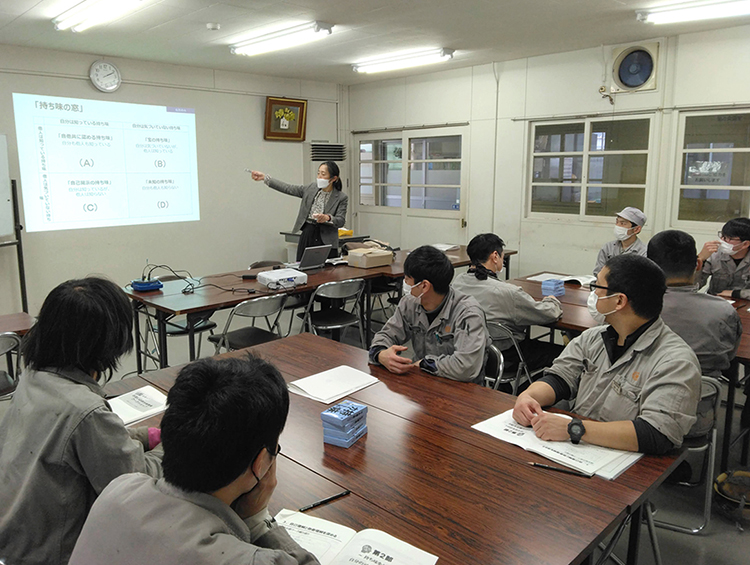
x=6 y=206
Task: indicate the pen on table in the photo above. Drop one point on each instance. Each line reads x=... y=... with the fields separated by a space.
x=560 y=469
x=324 y=501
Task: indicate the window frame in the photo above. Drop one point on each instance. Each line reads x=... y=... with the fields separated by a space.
x=677 y=186
x=406 y=135
x=586 y=154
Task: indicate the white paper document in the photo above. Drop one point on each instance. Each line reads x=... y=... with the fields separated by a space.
x=575 y=279
x=586 y=458
x=334 y=544
x=332 y=385
x=445 y=246
x=138 y=404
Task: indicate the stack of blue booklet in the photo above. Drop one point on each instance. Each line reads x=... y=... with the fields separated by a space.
x=344 y=423
x=553 y=287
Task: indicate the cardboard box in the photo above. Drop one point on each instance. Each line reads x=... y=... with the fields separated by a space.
x=368 y=258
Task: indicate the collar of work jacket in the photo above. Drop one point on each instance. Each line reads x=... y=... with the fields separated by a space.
x=644 y=341
x=77 y=376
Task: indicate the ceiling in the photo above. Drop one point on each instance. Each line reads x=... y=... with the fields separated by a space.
x=481 y=31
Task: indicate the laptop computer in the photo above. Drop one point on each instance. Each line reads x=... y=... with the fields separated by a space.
x=312 y=258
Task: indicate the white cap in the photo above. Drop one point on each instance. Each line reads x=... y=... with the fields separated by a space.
x=633 y=215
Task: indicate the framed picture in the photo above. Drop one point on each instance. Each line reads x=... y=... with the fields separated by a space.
x=286 y=119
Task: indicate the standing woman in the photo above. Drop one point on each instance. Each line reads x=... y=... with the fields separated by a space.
x=322 y=210
x=60 y=444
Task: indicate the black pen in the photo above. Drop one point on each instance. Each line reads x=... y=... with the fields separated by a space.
x=323 y=501
x=560 y=469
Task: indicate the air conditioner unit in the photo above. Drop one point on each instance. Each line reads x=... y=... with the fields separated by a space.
x=635 y=67
x=314 y=153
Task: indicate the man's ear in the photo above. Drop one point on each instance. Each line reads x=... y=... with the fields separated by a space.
x=427 y=286
x=637 y=230
x=622 y=301
x=261 y=463
x=698 y=264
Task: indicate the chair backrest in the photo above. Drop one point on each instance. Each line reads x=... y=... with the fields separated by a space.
x=707 y=411
x=9 y=341
x=259 y=264
x=493 y=368
x=340 y=289
x=260 y=307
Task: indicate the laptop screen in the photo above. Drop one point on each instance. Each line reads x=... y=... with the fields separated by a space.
x=314 y=257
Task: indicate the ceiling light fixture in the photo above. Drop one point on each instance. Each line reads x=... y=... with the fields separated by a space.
x=404 y=60
x=93 y=12
x=694 y=11
x=282 y=39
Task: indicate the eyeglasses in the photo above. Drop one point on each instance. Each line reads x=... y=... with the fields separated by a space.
x=727 y=238
x=275 y=452
x=594 y=286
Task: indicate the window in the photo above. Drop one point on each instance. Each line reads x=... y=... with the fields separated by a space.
x=714 y=167
x=589 y=168
x=433 y=165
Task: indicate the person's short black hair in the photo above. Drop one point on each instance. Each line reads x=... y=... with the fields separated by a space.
x=738 y=227
x=674 y=251
x=482 y=246
x=428 y=263
x=333 y=171
x=84 y=324
x=220 y=414
x=640 y=279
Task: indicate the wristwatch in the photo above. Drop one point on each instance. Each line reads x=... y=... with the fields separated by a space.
x=576 y=430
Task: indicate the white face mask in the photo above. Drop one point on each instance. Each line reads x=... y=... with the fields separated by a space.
x=591 y=304
x=407 y=290
x=727 y=248
x=621 y=233
x=323 y=183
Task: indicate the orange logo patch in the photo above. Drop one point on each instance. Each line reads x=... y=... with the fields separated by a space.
x=447 y=329
x=636 y=376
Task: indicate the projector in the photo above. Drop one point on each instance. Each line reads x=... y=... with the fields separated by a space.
x=282 y=278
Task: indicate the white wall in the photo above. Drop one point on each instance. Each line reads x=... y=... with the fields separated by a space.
x=694 y=70
x=240 y=219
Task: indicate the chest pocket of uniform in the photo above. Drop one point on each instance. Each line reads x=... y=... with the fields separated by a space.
x=629 y=386
x=445 y=343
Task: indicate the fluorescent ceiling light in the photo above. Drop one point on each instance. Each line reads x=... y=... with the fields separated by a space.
x=93 y=12
x=694 y=11
x=283 y=39
x=404 y=60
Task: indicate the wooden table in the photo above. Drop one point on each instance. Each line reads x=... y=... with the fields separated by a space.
x=18 y=323
x=422 y=463
x=171 y=301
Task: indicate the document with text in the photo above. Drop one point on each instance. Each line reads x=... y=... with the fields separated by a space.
x=138 y=404
x=586 y=458
x=334 y=544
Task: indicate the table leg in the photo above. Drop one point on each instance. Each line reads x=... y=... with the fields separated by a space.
x=191 y=337
x=9 y=361
x=634 y=538
x=506 y=266
x=732 y=374
x=368 y=313
x=137 y=332
x=161 y=324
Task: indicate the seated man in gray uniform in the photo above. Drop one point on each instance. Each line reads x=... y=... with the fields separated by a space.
x=446 y=327
x=220 y=434
x=508 y=304
x=727 y=261
x=708 y=324
x=637 y=378
x=628 y=224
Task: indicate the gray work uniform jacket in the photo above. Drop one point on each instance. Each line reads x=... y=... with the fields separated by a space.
x=335 y=207
x=508 y=304
x=141 y=520
x=456 y=339
x=614 y=248
x=709 y=325
x=725 y=275
x=60 y=445
x=658 y=379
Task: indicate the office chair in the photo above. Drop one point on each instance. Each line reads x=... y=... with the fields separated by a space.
x=381 y=288
x=336 y=317
x=493 y=368
x=701 y=439
x=263 y=307
x=10 y=343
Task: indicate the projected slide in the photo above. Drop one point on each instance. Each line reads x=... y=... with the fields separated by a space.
x=90 y=163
